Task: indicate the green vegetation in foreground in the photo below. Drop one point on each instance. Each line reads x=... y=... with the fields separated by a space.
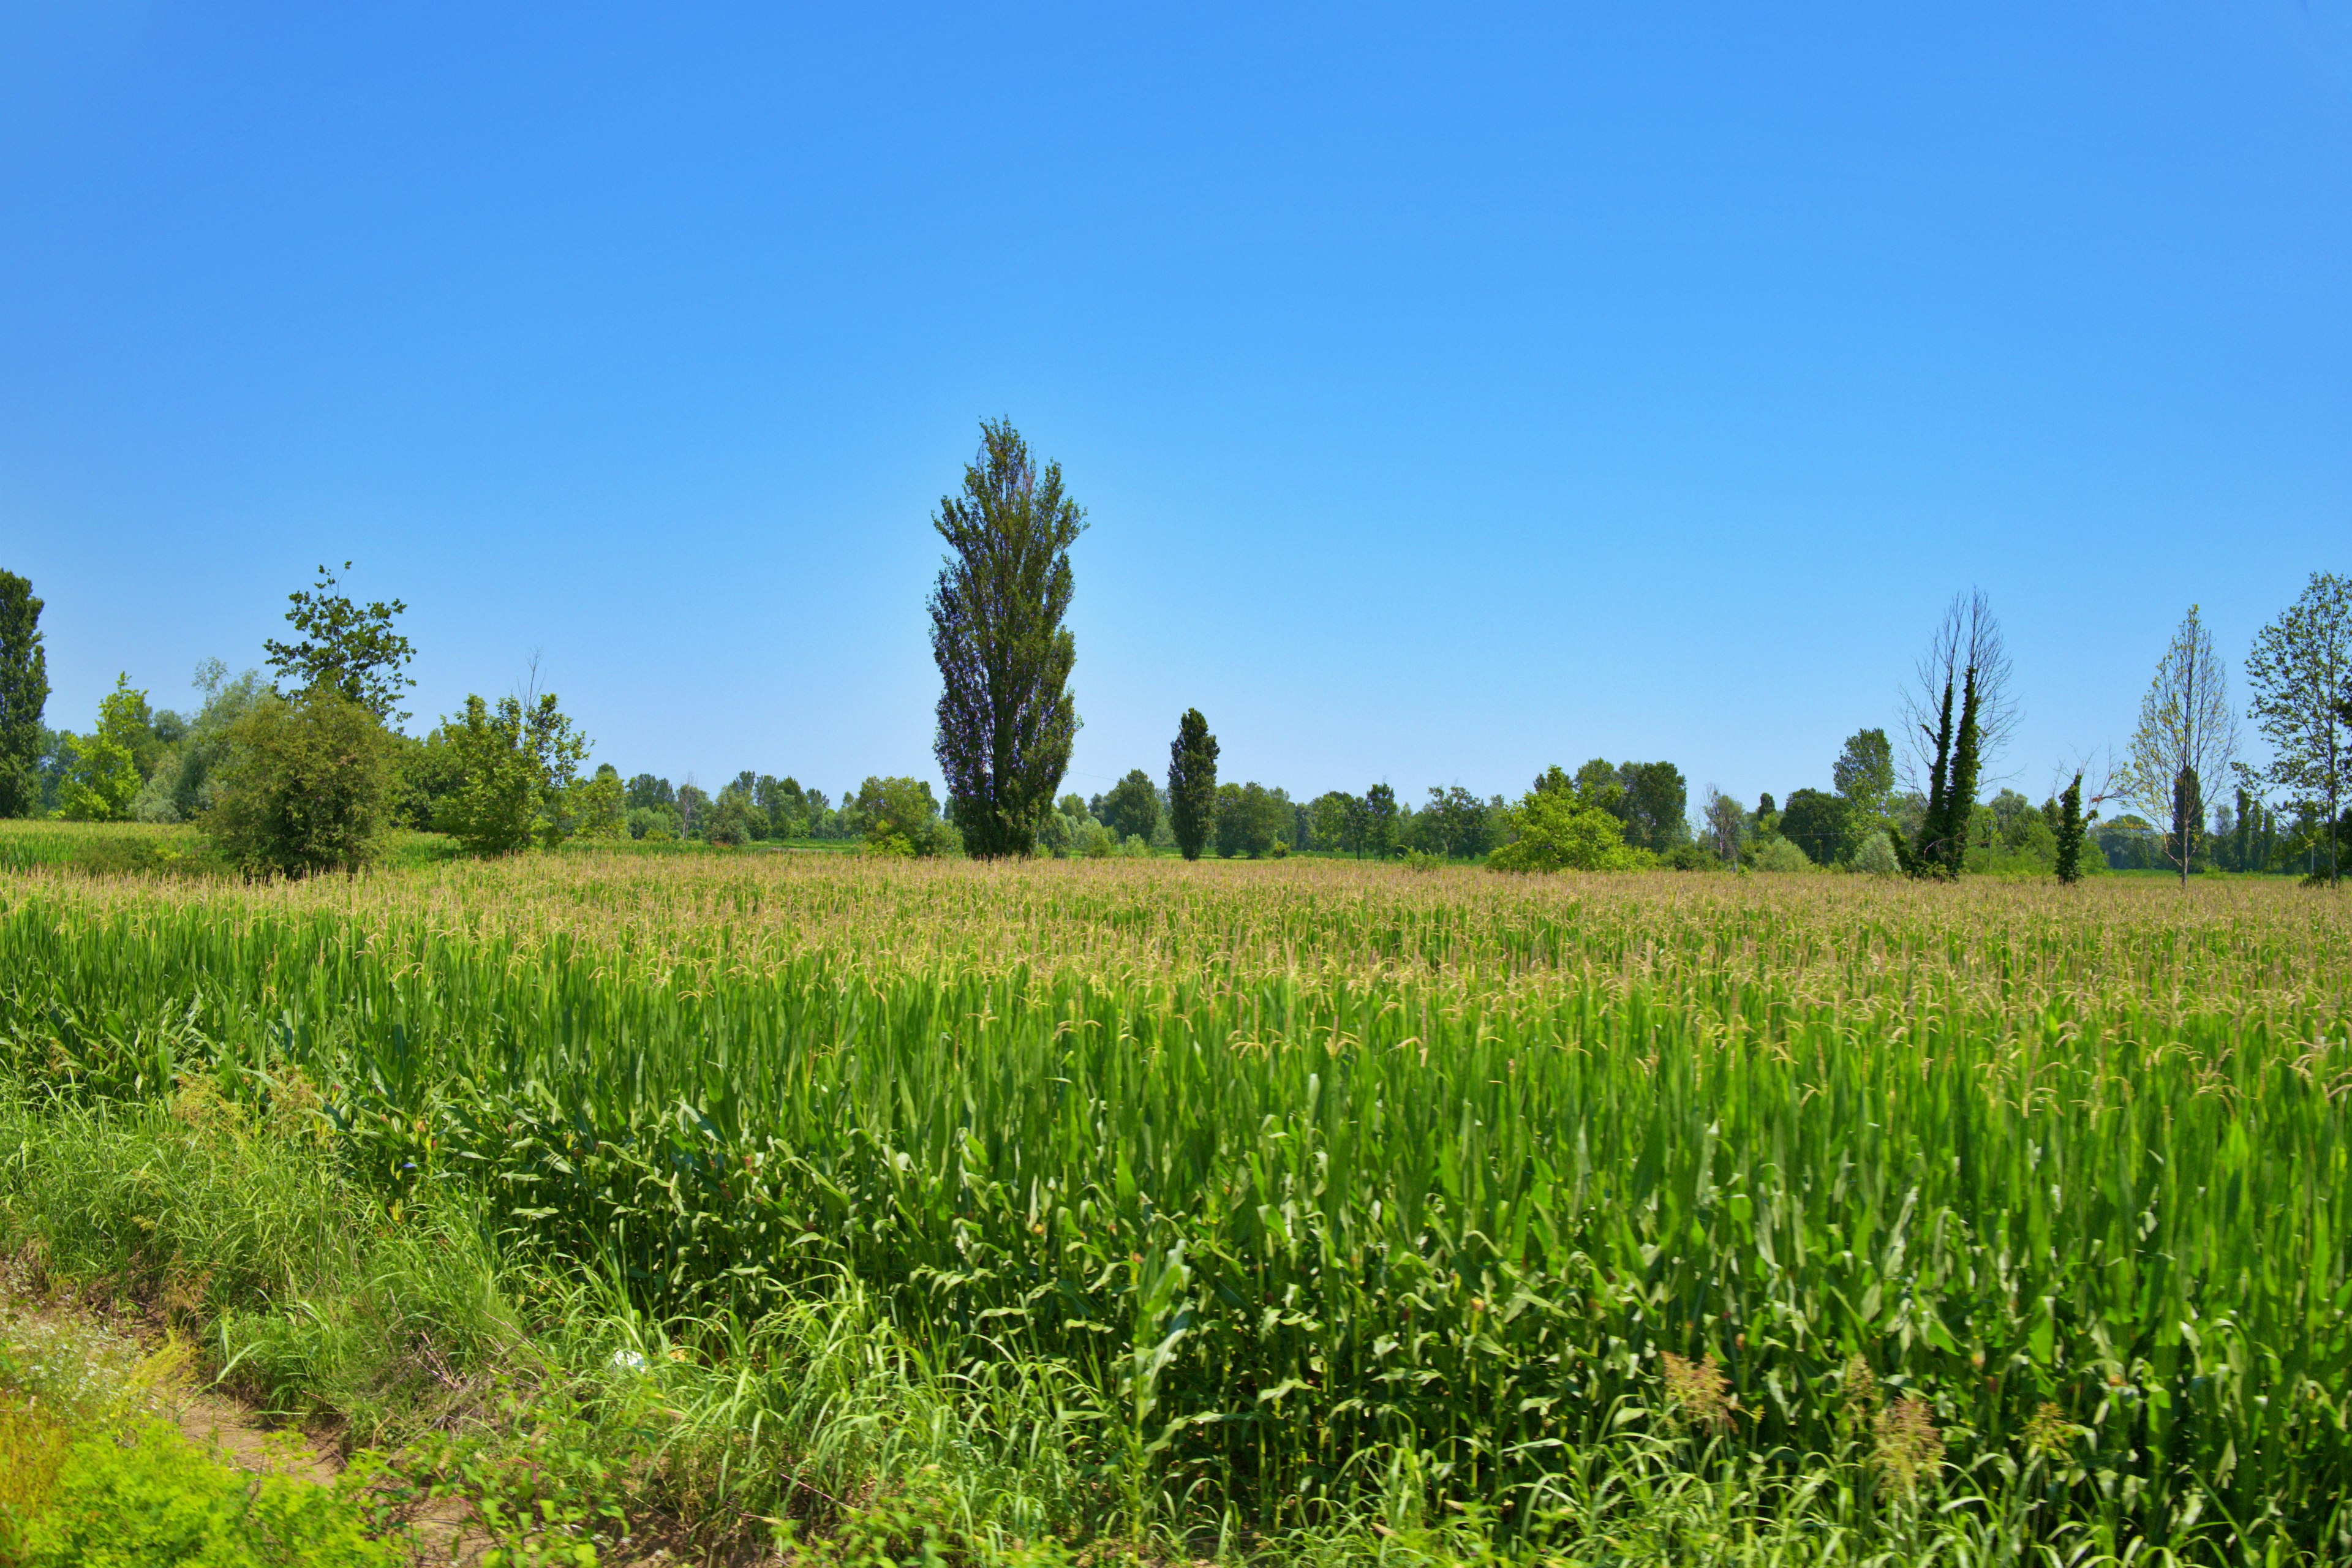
x=1330 y=1212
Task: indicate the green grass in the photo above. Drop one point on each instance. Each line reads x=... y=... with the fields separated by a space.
x=1146 y=1203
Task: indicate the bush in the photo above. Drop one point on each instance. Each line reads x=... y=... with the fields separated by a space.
x=306 y=785
x=149 y=1497
x=1558 y=829
x=1876 y=855
x=1782 y=855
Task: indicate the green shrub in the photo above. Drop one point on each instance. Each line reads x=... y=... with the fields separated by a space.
x=1876 y=855
x=1782 y=855
x=308 y=785
x=148 y=1497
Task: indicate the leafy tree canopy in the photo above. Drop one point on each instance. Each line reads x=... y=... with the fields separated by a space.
x=349 y=646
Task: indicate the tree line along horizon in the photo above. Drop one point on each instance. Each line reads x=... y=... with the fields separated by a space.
x=310 y=769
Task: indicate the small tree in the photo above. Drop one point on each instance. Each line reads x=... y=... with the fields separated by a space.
x=24 y=696
x=1132 y=809
x=2301 y=676
x=1727 y=825
x=1864 y=773
x=1193 y=784
x=304 y=785
x=518 y=765
x=349 y=647
x=1005 y=716
x=2186 y=733
x=1380 y=821
x=104 y=778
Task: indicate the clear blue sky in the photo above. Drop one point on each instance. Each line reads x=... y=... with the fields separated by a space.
x=1452 y=390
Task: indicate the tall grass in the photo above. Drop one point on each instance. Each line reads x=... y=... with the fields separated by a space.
x=1304 y=1193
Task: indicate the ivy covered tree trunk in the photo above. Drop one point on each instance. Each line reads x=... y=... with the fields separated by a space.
x=1960 y=791
x=2070 y=832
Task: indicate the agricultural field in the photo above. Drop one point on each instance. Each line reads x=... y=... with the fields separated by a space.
x=1289 y=1210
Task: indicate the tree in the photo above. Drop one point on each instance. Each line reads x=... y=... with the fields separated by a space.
x=1969 y=638
x=1456 y=823
x=1132 y=809
x=519 y=766
x=1727 y=825
x=2070 y=832
x=2301 y=676
x=1654 y=805
x=1558 y=827
x=345 y=645
x=1005 y=716
x=645 y=790
x=2186 y=734
x=1193 y=784
x=1864 y=773
x=24 y=697
x=179 y=788
x=1821 y=825
x=901 y=817
x=104 y=779
x=305 y=784
x=1943 y=841
x=597 y=809
x=1250 y=819
x=1379 y=820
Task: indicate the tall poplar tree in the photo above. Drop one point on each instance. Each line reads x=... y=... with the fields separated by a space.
x=1193 y=784
x=1005 y=716
x=24 y=696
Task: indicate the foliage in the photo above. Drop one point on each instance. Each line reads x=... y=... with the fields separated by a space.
x=2301 y=674
x=733 y=818
x=104 y=778
x=1653 y=804
x=901 y=817
x=1380 y=815
x=1132 y=808
x=1821 y=825
x=1778 y=854
x=1864 y=773
x=1193 y=784
x=519 y=772
x=349 y=648
x=1456 y=824
x=151 y=1499
x=1876 y=855
x=1727 y=826
x=302 y=786
x=2068 y=857
x=1251 y=820
x=179 y=784
x=24 y=695
x=1558 y=827
x=1005 y=716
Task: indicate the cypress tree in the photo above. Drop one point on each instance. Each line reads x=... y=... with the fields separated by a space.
x=1960 y=793
x=24 y=695
x=2070 y=832
x=1191 y=783
x=1933 y=829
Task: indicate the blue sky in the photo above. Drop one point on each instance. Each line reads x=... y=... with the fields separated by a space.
x=1452 y=390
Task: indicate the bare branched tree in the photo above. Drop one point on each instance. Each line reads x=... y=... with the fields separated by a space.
x=2187 y=735
x=1969 y=638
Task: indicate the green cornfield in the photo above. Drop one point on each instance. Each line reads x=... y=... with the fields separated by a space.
x=1319 y=1176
